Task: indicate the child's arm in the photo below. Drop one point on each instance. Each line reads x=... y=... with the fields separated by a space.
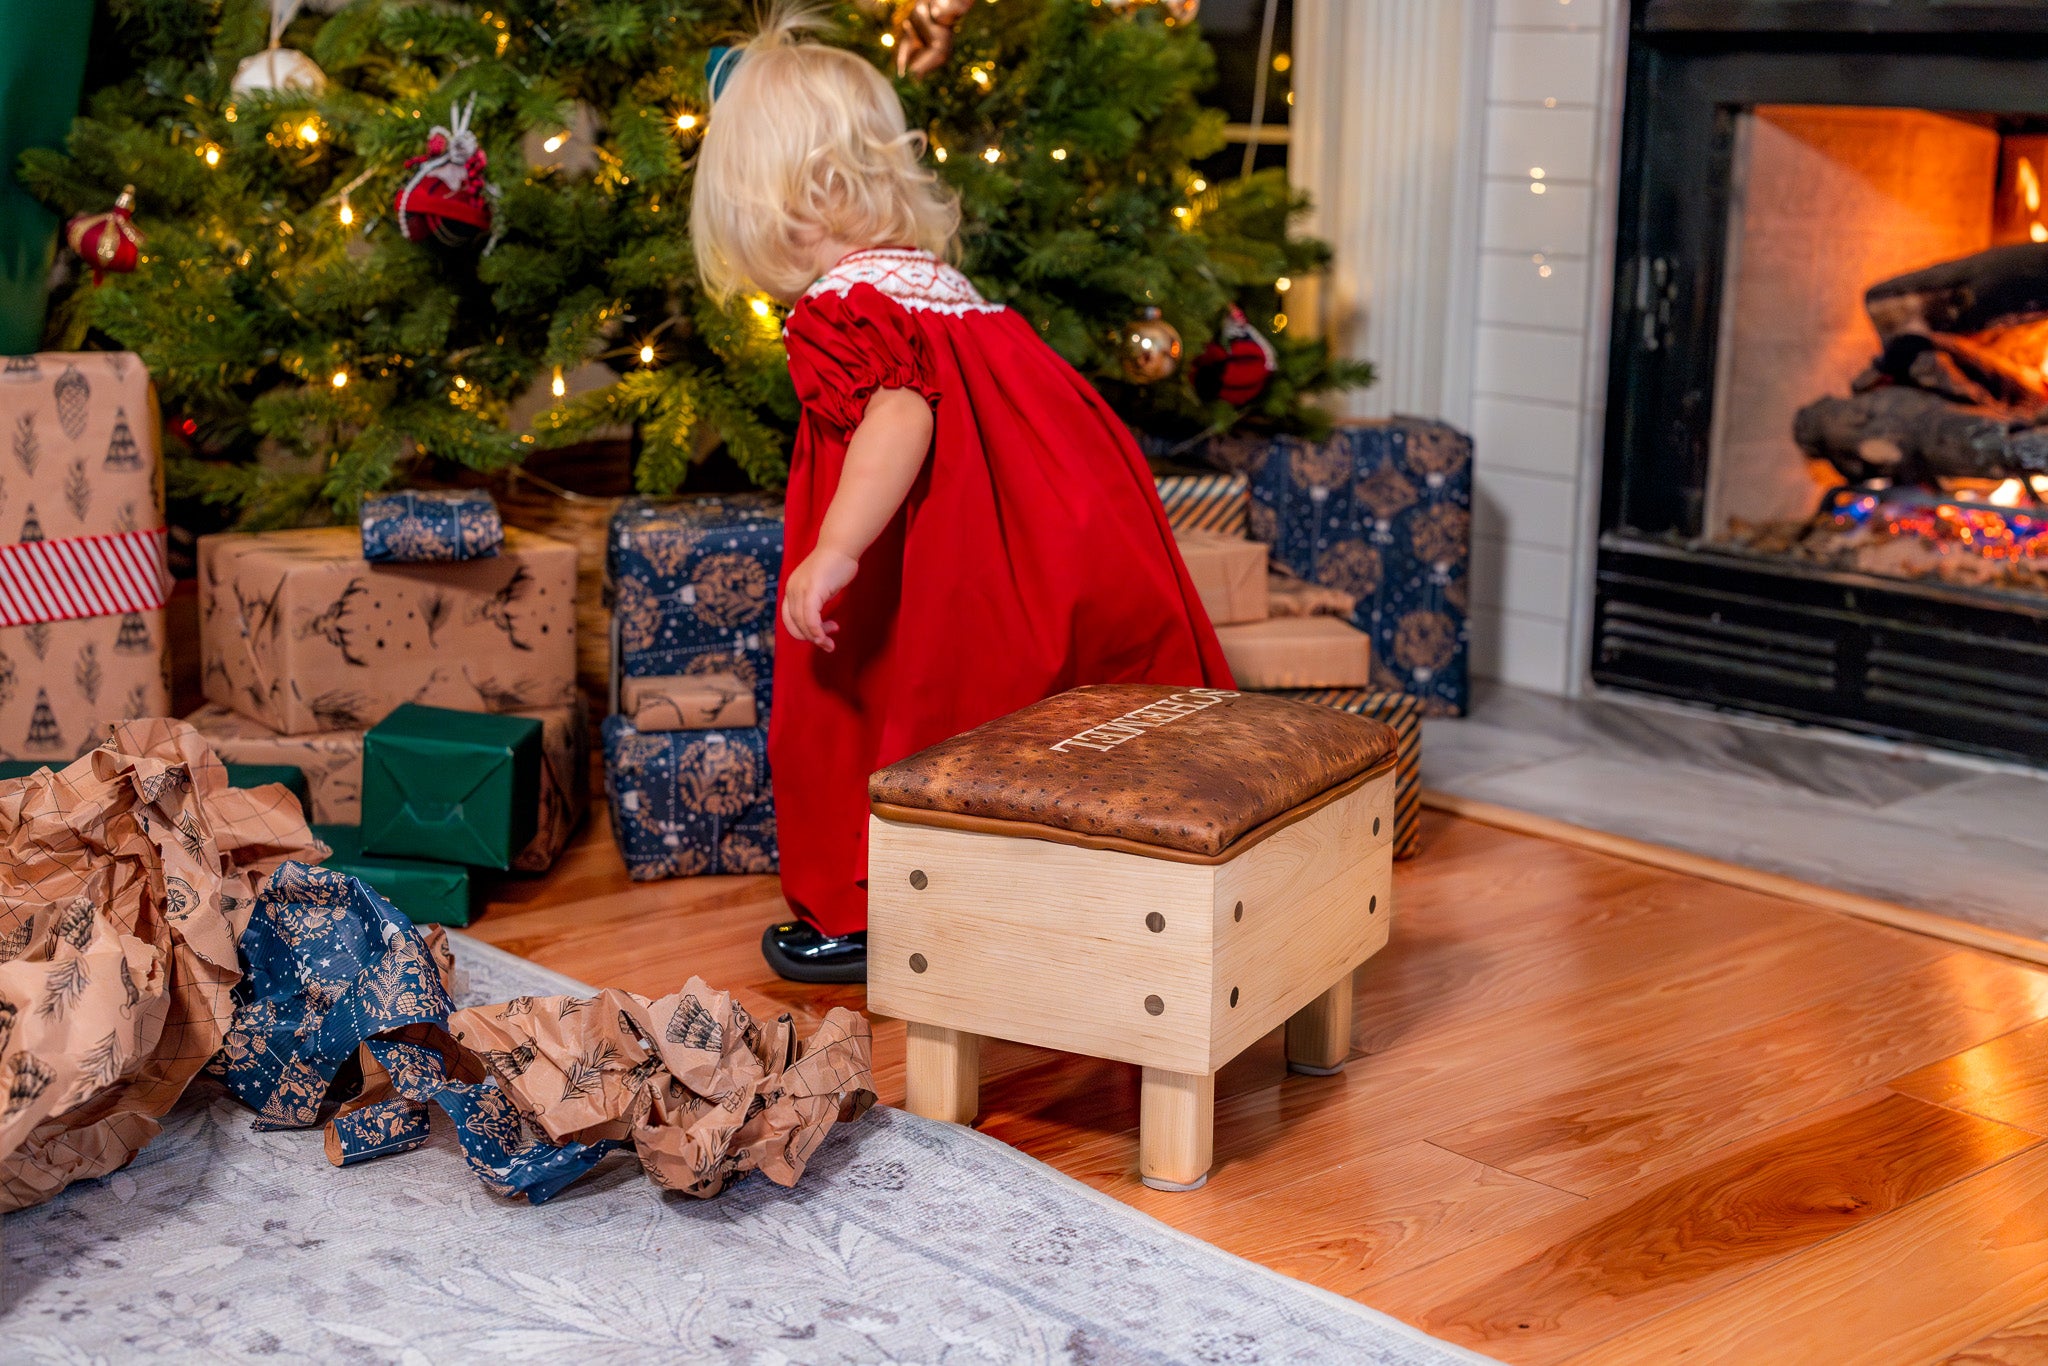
x=882 y=461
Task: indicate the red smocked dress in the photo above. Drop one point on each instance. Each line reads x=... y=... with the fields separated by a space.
x=1031 y=556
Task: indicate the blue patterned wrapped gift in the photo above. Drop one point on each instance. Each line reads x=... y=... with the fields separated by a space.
x=687 y=803
x=692 y=586
x=418 y=526
x=1381 y=511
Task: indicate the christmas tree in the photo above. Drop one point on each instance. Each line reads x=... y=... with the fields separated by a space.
x=309 y=351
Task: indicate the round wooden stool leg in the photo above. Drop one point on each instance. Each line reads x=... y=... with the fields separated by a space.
x=1176 y=1129
x=1319 y=1034
x=942 y=1073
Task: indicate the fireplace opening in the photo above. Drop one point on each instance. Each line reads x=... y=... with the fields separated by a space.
x=1824 y=492
x=1881 y=404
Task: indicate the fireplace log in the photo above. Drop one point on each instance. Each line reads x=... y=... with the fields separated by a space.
x=1992 y=288
x=1910 y=435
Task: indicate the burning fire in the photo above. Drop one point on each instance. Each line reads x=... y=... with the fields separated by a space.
x=2028 y=181
x=1985 y=530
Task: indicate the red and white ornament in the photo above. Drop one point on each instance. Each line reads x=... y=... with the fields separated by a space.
x=110 y=241
x=1238 y=365
x=447 y=199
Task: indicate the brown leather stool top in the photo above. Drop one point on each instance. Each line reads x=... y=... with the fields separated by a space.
x=1195 y=775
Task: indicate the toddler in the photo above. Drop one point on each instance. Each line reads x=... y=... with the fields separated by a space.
x=970 y=529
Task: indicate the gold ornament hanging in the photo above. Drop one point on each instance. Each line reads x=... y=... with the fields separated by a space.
x=924 y=34
x=1150 y=348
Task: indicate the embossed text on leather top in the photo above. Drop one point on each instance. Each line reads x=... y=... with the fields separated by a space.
x=1191 y=769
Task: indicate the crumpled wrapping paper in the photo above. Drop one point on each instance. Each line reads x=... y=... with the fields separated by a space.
x=126 y=881
x=705 y=1092
x=341 y=985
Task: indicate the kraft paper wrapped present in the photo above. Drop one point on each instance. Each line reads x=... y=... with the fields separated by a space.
x=1297 y=652
x=82 y=578
x=428 y=892
x=693 y=588
x=1404 y=714
x=333 y=764
x=1204 y=500
x=332 y=761
x=450 y=785
x=689 y=803
x=300 y=632
x=688 y=702
x=422 y=526
x=1229 y=573
x=1383 y=512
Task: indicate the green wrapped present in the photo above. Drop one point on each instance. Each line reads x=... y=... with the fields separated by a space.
x=256 y=775
x=455 y=786
x=239 y=775
x=429 y=893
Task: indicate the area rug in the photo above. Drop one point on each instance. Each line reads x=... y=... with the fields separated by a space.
x=907 y=1241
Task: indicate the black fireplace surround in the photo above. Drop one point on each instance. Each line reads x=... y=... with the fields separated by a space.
x=1950 y=666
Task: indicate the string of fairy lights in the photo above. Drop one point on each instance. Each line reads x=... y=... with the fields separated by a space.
x=308 y=137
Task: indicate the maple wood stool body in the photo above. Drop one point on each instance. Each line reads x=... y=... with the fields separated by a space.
x=1151 y=874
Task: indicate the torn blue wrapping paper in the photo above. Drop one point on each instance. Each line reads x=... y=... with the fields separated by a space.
x=330 y=964
x=337 y=976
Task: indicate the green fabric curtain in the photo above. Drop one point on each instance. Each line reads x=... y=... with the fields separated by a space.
x=42 y=66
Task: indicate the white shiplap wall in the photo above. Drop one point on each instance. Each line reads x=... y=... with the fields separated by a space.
x=1537 y=356
x=1417 y=127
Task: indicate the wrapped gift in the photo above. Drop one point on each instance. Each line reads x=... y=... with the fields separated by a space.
x=1290 y=596
x=693 y=588
x=331 y=761
x=1297 y=652
x=428 y=893
x=333 y=764
x=453 y=785
x=688 y=702
x=1404 y=714
x=1204 y=500
x=82 y=578
x=420 y=526
x=1383 y=512
x=689 y=802
x=1229 y=573
x=301 y=633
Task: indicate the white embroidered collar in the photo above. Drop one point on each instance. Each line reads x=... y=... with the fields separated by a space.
x=916 y=279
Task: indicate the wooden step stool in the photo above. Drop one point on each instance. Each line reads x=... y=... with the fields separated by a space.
x=1149 y=874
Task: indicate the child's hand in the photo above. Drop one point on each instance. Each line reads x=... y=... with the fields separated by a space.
x=811 y=585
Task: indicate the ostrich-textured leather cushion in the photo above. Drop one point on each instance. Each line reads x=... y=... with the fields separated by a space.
x=1189 y=769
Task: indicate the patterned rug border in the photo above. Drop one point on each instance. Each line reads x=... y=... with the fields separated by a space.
x=466 y=945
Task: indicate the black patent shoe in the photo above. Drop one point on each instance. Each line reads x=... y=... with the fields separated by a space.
x=798 y=952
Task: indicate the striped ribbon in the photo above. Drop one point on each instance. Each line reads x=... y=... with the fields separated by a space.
x=82 y=576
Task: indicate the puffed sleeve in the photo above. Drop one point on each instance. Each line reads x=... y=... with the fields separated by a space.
x=843 y=347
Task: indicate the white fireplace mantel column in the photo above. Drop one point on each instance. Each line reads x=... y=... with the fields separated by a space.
x=1461 y=155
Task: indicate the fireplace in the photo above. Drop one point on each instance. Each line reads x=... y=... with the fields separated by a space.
x=1825 y=483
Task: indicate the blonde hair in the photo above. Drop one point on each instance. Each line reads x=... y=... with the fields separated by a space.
x=807 y=143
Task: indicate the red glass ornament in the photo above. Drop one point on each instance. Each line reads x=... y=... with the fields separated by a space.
x=1238 y=365
x=107 y=241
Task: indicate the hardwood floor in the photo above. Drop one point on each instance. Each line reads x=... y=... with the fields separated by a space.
x=1596 y=1111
